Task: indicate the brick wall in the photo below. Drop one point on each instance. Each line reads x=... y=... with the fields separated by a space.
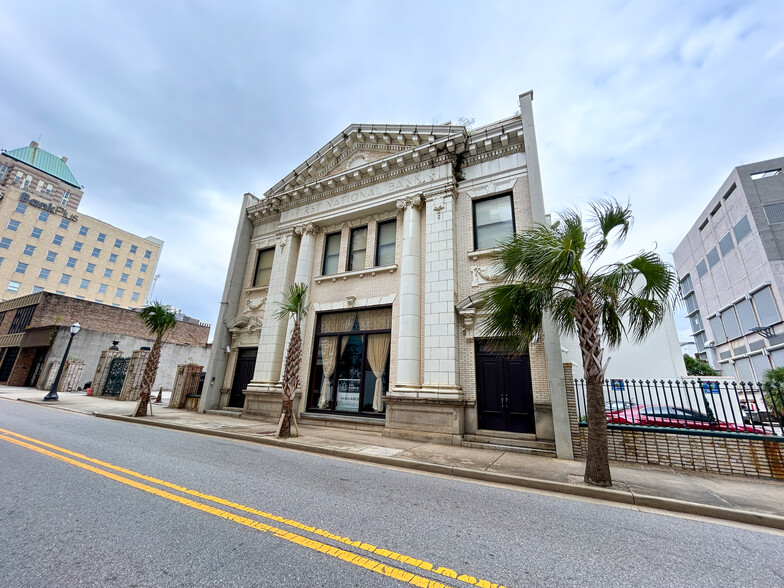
x=62 y=310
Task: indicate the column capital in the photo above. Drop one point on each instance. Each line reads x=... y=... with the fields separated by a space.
x=308 y=229
x=415 y=201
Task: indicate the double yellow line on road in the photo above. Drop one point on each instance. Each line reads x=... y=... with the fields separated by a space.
x=337 y=552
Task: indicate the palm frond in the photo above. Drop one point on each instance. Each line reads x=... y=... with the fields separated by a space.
x=610 y=216
x=514 y=313
x=157 y=318
x=295 y=302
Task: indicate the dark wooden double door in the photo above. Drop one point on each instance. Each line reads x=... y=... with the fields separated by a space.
x=505 y=400
x=243 y=374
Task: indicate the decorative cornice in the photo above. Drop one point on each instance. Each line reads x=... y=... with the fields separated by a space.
x=494 y=154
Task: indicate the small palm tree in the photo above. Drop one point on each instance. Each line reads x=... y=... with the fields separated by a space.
x=556 y=270
x=294 y=306
x=158 y=321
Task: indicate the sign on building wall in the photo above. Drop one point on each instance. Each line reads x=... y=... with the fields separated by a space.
x=348 y=395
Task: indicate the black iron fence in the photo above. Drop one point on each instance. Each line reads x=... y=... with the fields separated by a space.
x=696 y=404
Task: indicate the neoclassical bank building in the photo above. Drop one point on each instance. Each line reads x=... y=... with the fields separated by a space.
x=392 y=227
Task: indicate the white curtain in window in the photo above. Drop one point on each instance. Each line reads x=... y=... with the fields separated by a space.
x=377 y=352
x=328 y=347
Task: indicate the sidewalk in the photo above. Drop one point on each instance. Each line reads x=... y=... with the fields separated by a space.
x=745 y=500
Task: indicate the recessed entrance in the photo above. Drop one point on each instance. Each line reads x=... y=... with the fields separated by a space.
x=243 y=374
x=505 y=400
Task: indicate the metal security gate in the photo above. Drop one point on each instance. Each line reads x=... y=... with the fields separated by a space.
x=116 y=377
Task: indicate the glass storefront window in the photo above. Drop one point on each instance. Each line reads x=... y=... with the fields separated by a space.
x=351 y=361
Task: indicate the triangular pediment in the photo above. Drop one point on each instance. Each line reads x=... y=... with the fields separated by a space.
x=364 y=150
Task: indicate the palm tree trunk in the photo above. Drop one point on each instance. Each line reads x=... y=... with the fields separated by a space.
x=597 y=464
x=150 y=371
x=291 y=379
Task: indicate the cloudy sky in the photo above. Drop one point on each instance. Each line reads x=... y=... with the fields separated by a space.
x=170 y=111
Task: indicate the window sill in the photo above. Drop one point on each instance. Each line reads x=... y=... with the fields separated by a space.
x=371 y=271
x=256 y=289
x=479 y=253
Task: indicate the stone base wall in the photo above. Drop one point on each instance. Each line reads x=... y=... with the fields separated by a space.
x=267 y=403
x=429 y=420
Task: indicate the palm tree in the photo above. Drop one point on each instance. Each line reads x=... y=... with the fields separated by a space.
x=158 y=321
x=556 y=270
x=294 y=306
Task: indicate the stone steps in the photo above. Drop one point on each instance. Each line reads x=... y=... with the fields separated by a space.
x=232 y=412
x=511 y=442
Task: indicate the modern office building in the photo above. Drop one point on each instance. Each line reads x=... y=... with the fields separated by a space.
x=731 y=268
x=392 y=227
x=46 y=244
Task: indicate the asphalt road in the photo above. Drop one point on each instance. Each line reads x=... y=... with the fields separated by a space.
x=68 y=521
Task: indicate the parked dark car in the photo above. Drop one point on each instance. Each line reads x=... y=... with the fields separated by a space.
x=680 y=418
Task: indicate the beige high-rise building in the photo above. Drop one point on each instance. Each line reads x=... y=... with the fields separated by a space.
x=47 y=245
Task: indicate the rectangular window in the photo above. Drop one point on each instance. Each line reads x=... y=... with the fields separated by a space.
x=22 y=319
x=134 y=297
x=40 y=186
x=696 y=323
x=718 y=330
x=726 y=244
x=102 y=288
x=18 y=177
x=691 y=302
x=766 y=307
x=128 y=263
x=729 y=192
x=65 y=279
x=385 y=242
x=71 y=262
x=357 y=248
x=78 y=246
x=493 y=221
x=51 y=256
x=21 y=208
x=731 y=326
x=3 y=172
x=119 y=294
x=147 y=254
x=37 y=289
x=686 y=286
x=13 y=225
x=43 y=274
x=64 y=200
x=713 y=257
x=96 y=252
x=36 y=232
x=748 y=319
x=83 y=231
x=28 y=250
x=139 y=282
x=107 y=273
x=27 y=181
x=21 y=267
x=118 y=242
x=64 y=223
x=84 y=284
x=90 y=268
x=766 y=174
x=143 y=268
x=112 y=257
x=774 y=213
x=124 y=278
x=101 y=237
x=43 y=216
x=49 y=189
x=13 y=286
x=133 y=248
x=331 y=254
x=261 y=277
x=741 y=228
x=60 y=292
x=58 y=240
x=5 y=242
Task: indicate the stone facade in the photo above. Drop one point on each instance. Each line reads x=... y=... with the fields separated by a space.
x=427 y=180
x=62 y=250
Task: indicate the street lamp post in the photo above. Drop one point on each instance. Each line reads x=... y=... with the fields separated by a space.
x=75 y=328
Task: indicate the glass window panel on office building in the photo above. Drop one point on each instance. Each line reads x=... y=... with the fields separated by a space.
x=766 y=307
x=5 y=242
x=385 y=242
x=357 y=249
x=686 y=286
x=718 y=330
x=64 y=223
x=731 y=326
x=36 y=232
x=691 y=302
x=748 y=320
x=43 y=216
x=696 y=322
x=264 y=259
x=774 y=213
x=43 y=274
x=13 y=225
x=745 y=373
x=761 y=364
x=726 y=244
x=51 y=256
x=28 y=250
x=699 y=340
x=493 y=221
x=742 y=228
x=21 y=207
x=702 y=268
x=331 y=254
x=713 y=257
x=13 y=286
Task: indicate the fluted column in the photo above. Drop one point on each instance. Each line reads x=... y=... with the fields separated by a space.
x=410 y=315
x=304 y=271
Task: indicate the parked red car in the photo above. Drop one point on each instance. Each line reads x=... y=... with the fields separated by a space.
x=681 y=418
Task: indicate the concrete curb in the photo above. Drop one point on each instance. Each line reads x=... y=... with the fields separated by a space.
x=606 y=494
